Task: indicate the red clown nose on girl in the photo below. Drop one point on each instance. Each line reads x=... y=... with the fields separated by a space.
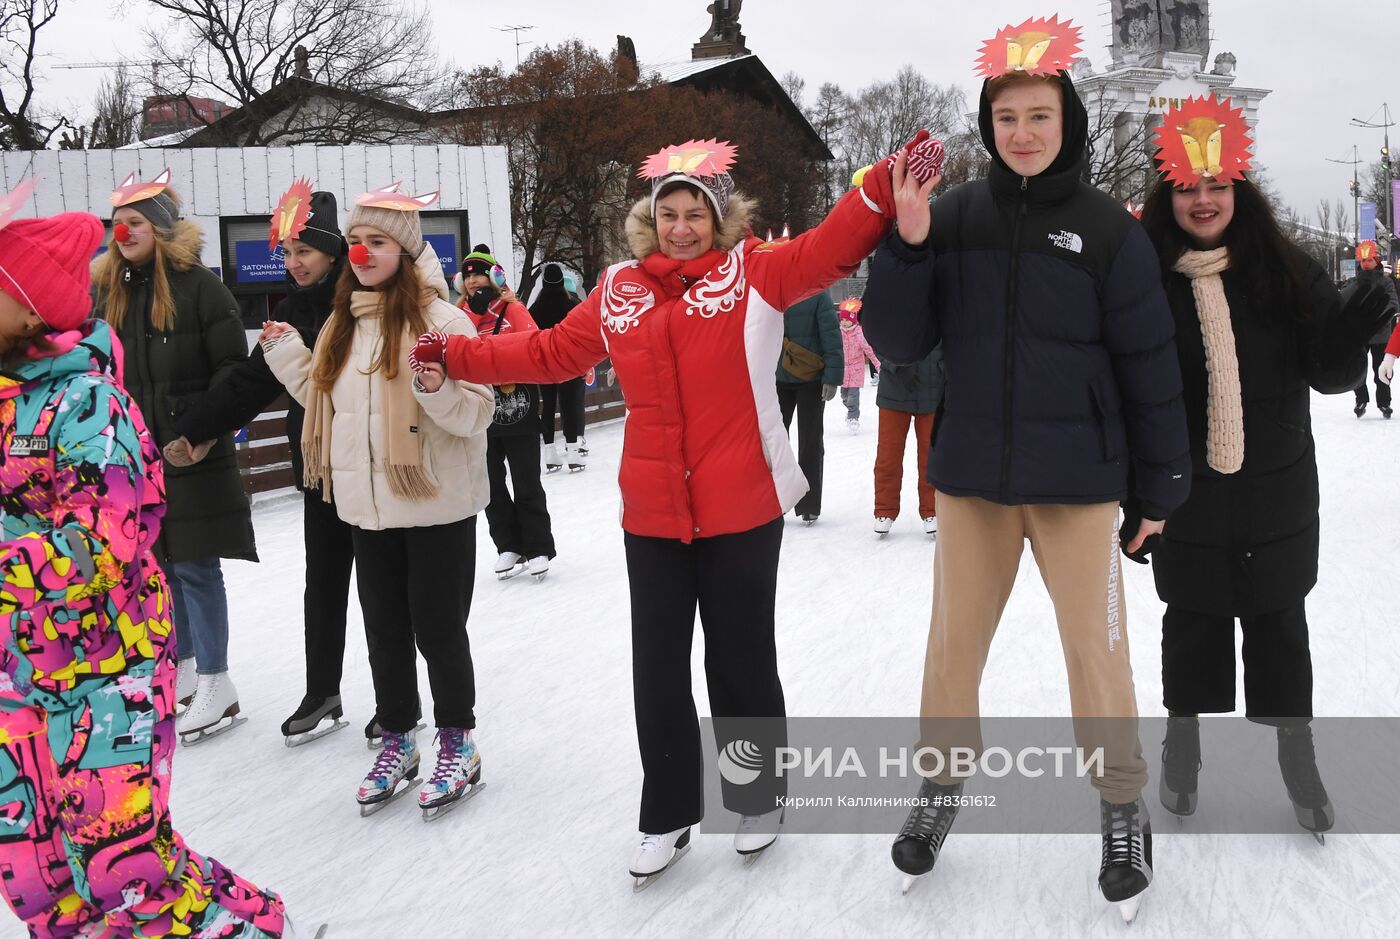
x=121 y=232
x=359 y=254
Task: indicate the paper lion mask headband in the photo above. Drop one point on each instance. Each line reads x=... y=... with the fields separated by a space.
x=1036 y=47
x=701 y=163
x=148 y=198
x=1204 y=138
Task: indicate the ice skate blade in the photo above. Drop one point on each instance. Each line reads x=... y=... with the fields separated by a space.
x=552 y=468
x=373 y=808
x=577 y=469
x=643 y=881
x=514 y=572
x=908 y=881
x=539 y=577
x=194 y=737
x=377 y=743
x=432 y=813
x=1320 y=837
x=302 y=739
x=1128 y=909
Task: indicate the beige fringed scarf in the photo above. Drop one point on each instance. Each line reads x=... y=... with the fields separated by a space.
x=1225 y=402
x=403 y=459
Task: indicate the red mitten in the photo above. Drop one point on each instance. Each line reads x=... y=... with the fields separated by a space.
x=431 y=348
x=926 y=155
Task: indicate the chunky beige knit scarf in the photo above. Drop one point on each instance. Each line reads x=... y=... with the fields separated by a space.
x=403 y=457
x=1225 y=402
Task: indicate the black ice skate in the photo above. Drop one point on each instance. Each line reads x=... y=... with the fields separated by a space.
x=1181 y=763
x=916 y=849
x=314 y=719
x=1359 y=410
x=1298 y=763
x=374 y=734
x=1125 y=869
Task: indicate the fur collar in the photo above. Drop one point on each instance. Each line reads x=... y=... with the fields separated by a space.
x=641 y=226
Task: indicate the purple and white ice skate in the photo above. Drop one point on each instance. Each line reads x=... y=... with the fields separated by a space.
x=394 y=772
x=457 y=776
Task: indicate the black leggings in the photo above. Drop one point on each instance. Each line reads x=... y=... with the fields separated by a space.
x=733 y=580
x=330 y=555
x=1198 y=664
x=568 y=395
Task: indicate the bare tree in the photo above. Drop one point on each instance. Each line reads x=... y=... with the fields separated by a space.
x=116 y=116
x=23 y=124
x=828 y=116
x=1120 y=153
x=365 y=51
x=885 y=115
x=796 y=87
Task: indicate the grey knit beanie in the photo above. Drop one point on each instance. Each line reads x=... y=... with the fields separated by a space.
x=403 y=227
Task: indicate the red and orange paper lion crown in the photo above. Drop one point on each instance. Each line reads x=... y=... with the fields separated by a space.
x=703 y=163
x=1368 y=251
x=849 y=309
x=291 y=215
x=391 y=198
x=1204 y=138
x=132 y=190
x=1036 y=47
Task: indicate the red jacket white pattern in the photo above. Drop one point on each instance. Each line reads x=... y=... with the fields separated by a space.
x=705 y=452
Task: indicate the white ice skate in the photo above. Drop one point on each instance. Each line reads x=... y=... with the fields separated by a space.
x=538 y=567
x=185 y=685
x=508 y=565
x=883 y=524
x=314 y=718
x=853 y=425
x=213 y=711
x=394 y=772
x=374 y=734
x=552 y=461
x=583 y=446
x=457 y=776
x=931 y=526
x=756 y=833
x=656 y=855
x=577 y=459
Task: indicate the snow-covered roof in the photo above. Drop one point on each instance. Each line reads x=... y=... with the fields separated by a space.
x=670 y=72
x=164 y=140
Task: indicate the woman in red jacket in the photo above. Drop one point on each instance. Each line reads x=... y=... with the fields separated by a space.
x=694 y=325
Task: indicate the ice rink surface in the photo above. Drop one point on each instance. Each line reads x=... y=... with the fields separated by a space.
x=544 y=849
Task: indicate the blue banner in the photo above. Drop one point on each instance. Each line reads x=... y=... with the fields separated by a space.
x=257 y=264
x=1368 y=221
x=446 y=248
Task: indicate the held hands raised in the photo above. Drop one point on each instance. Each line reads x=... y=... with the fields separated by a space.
x=431 y=349
x=911 y=193
x=1387 y=369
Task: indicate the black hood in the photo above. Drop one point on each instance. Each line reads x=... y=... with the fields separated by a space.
x=1063 y=175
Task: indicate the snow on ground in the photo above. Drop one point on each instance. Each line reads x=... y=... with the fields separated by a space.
x=544 y=850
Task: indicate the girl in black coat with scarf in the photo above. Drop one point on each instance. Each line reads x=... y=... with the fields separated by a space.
x=1259 y=326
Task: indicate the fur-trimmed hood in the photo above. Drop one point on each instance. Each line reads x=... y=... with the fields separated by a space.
x=733 y=229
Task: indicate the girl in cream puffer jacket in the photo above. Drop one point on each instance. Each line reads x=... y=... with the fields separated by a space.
x=404 y=459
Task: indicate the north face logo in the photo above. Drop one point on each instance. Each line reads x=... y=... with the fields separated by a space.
x=1067 y=240
x=631 y=290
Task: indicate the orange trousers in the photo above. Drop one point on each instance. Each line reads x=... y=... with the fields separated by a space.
x=889 y=462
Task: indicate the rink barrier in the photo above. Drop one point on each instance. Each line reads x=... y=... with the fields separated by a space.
x=265 y=456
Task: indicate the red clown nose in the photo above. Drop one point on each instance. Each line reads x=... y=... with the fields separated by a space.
x=359 y=254
x=121 y=231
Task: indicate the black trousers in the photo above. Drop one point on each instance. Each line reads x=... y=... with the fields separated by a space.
x=806 y=399
x=518 y=522
x=568 y=397
x=1198 y=664
x=733 y=580
x=416 y=589
x=330 y=555
x=1363 y=395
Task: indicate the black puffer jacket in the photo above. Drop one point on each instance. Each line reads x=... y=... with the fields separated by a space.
x=251 y=387
x=1247 y=543
x=208 y=515
x=1057 y=340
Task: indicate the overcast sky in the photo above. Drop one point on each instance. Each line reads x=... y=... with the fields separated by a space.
x=1322 y=65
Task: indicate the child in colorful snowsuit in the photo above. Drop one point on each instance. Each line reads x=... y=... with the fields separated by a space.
x=858 y=353
x=87 y=664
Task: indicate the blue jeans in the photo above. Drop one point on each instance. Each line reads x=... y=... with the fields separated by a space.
x=201 y=613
